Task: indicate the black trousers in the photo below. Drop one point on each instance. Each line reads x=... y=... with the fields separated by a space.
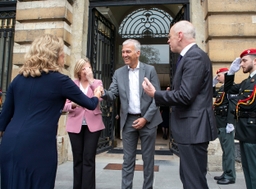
x=193 y=165
x=84 y=146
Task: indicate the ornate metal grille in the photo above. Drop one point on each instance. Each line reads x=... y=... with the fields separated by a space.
x=146 y=23
x=7 y=21
x=101 y=54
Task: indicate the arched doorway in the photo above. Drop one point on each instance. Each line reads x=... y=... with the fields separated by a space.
x=110 y=24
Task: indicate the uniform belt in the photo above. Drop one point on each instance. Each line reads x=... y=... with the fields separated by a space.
x=222 y=112
x=244 y=114
x=137 y=115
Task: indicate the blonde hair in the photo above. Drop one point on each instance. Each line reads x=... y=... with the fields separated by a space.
x=79 y=65
x=42 y=56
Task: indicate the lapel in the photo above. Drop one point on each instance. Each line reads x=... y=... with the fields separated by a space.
x=141 y=76
x=246 y=84
x=125 y=77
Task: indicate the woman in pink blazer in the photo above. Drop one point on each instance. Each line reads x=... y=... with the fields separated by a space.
x=84 y=128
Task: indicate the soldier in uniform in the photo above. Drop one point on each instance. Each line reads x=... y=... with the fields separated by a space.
x=245 y=112
x=225 y=125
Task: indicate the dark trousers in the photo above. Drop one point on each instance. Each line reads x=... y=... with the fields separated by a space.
x=193 y=165
x=228 y=156
x=248 y=156
x=84 y=146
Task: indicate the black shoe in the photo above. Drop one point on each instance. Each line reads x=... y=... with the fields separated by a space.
x=225 y=181
x=219 y=177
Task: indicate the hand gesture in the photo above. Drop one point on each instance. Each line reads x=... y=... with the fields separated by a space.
x=98 y=92
x=74 y=105
x=148 y=87
x=235 y=66
x=215 y=81
x=89 y=74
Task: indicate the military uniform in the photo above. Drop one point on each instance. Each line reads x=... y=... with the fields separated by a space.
x=222 y=107
x=245 y=113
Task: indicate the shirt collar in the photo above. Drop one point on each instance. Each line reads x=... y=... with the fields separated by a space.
x=183 y=52
x=253 y=73
x=138 y=66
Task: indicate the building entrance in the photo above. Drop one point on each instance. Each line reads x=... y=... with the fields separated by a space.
x=112 y=22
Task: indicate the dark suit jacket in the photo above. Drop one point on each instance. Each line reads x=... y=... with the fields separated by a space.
x=120 y=87
x=192 y=118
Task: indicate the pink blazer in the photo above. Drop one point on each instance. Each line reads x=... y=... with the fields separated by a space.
x=75 y=116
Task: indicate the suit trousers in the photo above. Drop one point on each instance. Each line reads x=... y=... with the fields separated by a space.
x=248 y=156
x=84 y=146
x=228 y=153
x=147 y=137
x=193 y=165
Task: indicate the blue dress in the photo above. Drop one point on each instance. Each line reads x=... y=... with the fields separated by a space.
x=29 y=119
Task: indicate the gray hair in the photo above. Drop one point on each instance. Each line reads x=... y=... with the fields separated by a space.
x=186 y=28
x=136 y=43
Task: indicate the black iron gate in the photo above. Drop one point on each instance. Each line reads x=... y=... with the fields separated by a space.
x=183 y=14
x=7 y=21
x=101 y=41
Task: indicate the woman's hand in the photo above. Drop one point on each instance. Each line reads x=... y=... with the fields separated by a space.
x=89 y=75
x=98 y=92
x=74 y=105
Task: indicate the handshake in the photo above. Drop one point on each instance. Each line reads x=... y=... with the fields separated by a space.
x=99 y=91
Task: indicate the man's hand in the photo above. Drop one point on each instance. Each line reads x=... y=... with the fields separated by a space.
x=215 y=81
x=148 y=87
x=139 y=123
x=235 y=66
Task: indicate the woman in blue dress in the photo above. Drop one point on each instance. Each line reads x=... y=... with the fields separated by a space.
x=30 y=114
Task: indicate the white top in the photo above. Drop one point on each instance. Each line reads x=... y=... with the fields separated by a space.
x=84 y=90
x=134 y=102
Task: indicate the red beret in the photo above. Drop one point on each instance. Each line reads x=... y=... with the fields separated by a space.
x=222 y=70
x=247 y=52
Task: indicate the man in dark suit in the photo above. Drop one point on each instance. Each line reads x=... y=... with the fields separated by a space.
x=192 y=118
x=245 y=112
x=139 y=116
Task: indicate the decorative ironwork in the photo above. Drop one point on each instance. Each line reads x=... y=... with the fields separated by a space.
x=101 y=53
x=7 y=22
x=146 y=23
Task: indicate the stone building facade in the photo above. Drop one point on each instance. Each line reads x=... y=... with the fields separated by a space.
x=224 y=29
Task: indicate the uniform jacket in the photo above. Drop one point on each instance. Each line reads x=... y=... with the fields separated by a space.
x=75 y=116
x=246 y=124
x=192 y=118
x=120 y=87
x=223 y=106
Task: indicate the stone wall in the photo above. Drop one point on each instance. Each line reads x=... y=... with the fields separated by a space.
x=230 y=29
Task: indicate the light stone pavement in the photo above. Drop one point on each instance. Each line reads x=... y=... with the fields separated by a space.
x=166 y=178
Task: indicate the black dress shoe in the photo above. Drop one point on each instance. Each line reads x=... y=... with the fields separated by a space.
x=225 y=181
x=219 y=177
